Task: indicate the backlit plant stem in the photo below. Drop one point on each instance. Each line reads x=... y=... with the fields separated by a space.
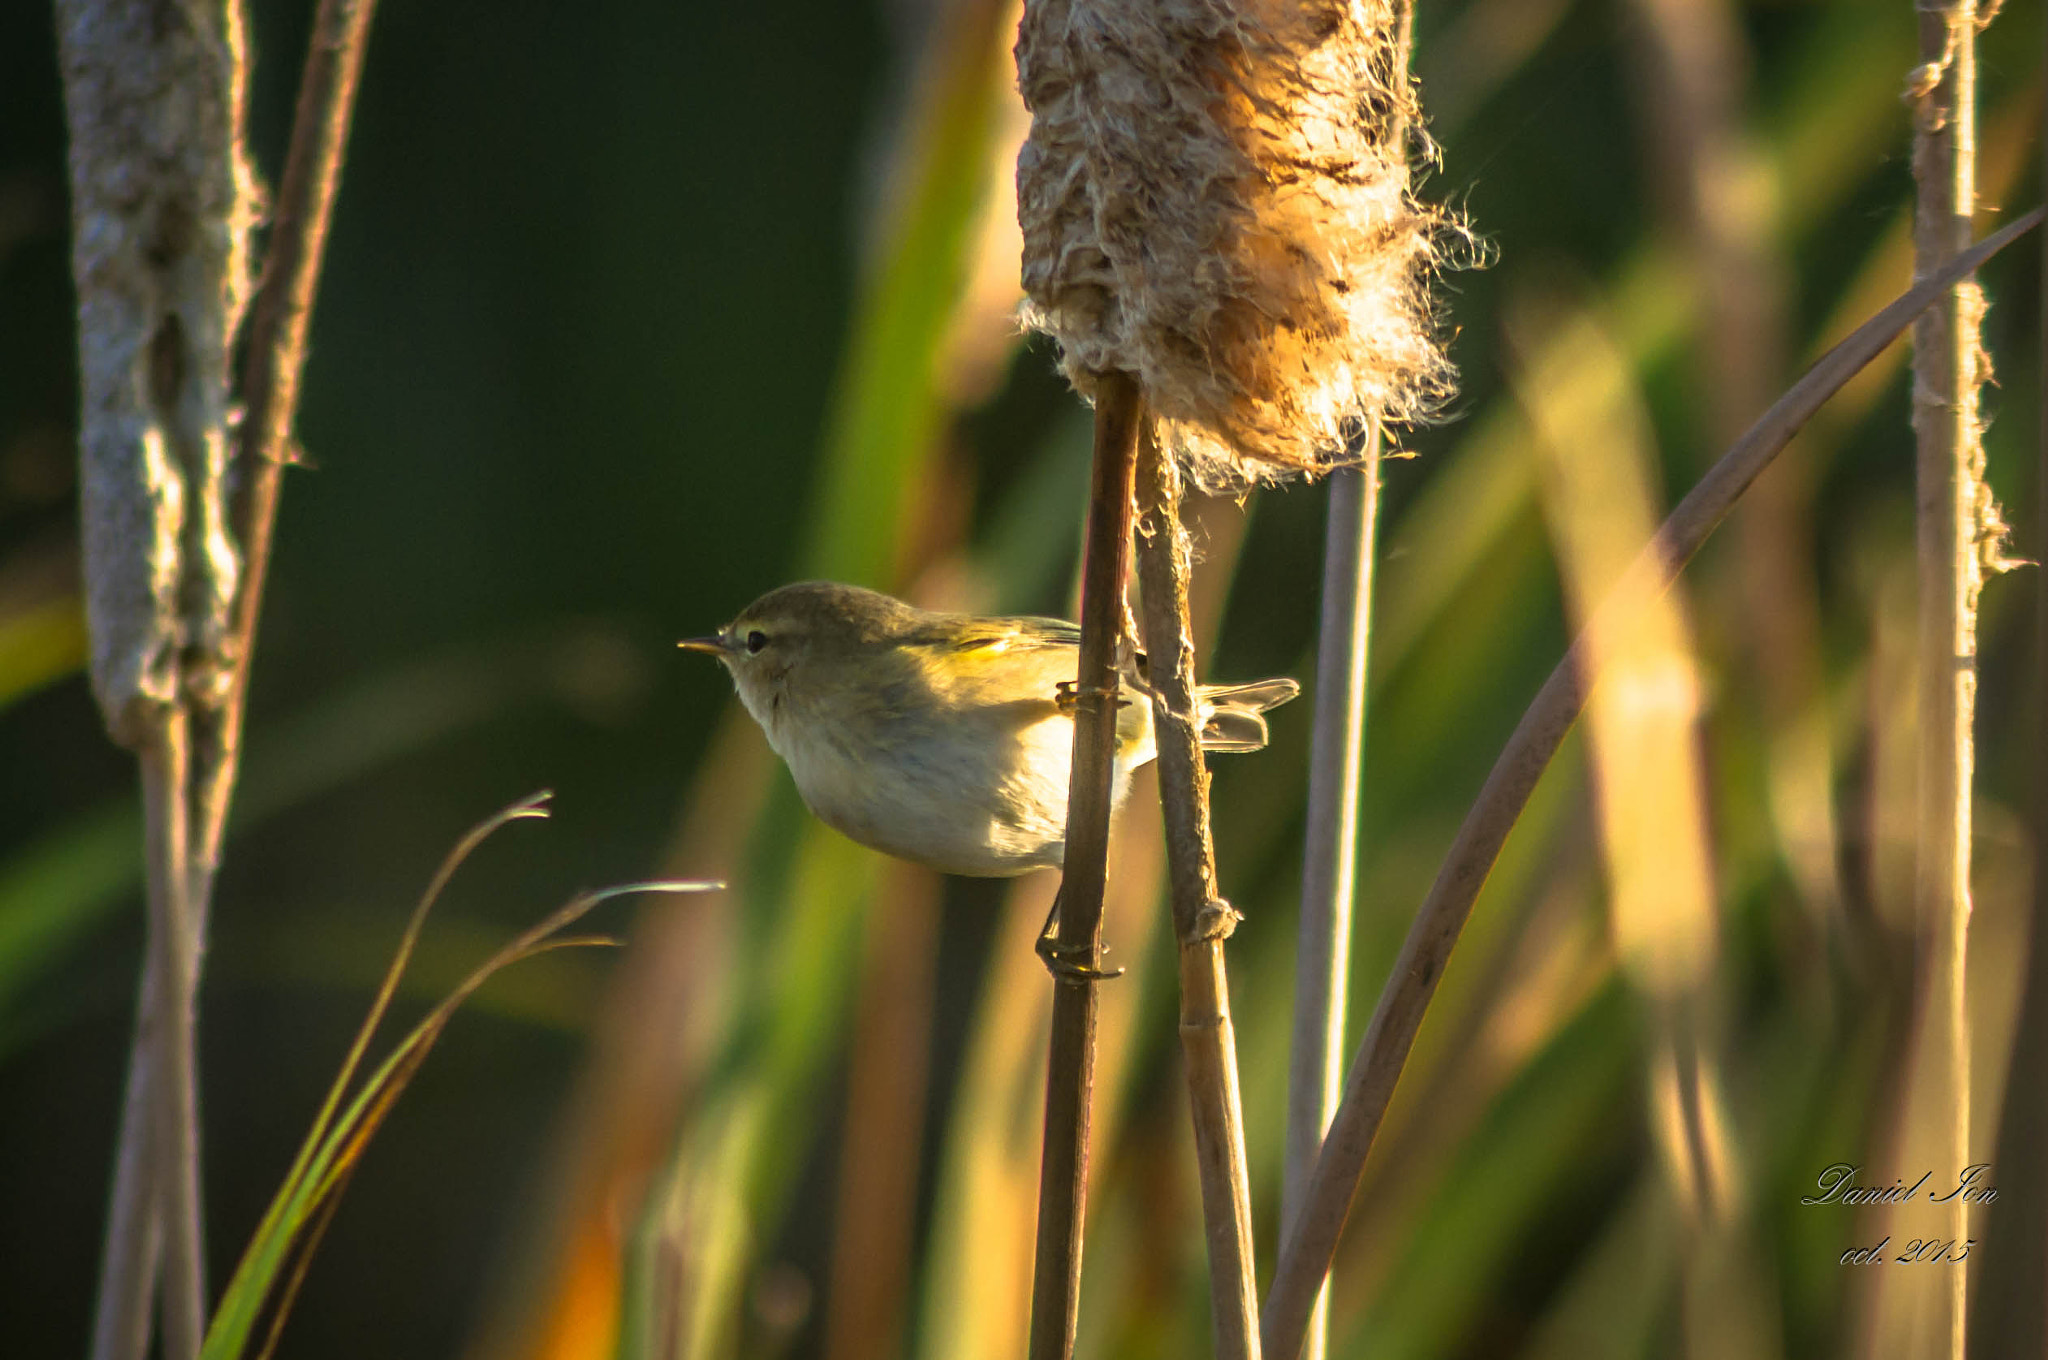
x=1201 y=919
x=1322 y=966
x=1951 y=535
x=1070 y=1061
x=280 y=319
x=1322 y=961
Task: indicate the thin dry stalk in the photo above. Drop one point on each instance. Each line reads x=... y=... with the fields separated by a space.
x=1202 y=920
x=1070 y=1060
x=1311 y=1241
x=1322 y=961
x=280 y=316
x=173 y=960
x=1957 y=532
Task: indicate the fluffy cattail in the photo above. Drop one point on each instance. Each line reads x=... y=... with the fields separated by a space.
x=1215 y=198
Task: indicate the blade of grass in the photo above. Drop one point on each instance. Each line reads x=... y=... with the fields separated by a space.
x=348 y=1118
x=1643 y=733
x=267 y=1236
x=275 y=347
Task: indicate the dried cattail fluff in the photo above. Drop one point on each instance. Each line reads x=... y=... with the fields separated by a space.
x=1215 y=198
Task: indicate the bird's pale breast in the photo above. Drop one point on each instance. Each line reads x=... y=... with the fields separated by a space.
x=963 y=778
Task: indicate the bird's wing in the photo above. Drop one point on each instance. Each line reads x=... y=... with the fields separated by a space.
x=1008 y=661
x=1020 y=630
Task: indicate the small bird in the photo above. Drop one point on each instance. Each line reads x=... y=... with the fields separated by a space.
x=943 y=739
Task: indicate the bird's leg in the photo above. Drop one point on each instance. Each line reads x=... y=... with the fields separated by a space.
x=1061 y=960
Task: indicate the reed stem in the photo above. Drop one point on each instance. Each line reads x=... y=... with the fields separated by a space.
x=1202 y=920
x=1322 y=965
x=1070 y=1060
x=1949 y=532
x=280 y=320
x=174 y=960
x=1322 y=961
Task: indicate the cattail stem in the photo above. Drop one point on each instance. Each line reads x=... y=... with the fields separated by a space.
x=1201 y=919
x=161 y=210
x=174 y=960
x=207 y=710
x=1322 y=963
x=1311 y=1240
x=1070 y=1061
x=1950 y=535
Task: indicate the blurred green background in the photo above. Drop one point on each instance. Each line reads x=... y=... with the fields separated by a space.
x=633 y=311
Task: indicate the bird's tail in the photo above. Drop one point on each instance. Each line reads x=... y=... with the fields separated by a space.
x=1232 y=718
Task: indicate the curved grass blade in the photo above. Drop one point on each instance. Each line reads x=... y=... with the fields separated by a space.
x=276 y=1258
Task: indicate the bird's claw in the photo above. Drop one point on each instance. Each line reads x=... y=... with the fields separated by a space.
x=1071 y=964
x=1068 y=697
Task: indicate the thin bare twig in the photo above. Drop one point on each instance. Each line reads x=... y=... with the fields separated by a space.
x=1311 y=1241
x=1201 y=919
x=1070 y=1061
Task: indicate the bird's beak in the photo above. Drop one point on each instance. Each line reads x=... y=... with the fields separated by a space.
x=715 y=645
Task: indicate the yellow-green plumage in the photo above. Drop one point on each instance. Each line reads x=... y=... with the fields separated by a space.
x=938 y=738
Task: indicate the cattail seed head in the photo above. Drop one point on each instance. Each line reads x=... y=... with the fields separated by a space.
x=1215 y=197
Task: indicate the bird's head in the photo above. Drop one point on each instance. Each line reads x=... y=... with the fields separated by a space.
x=815 y=638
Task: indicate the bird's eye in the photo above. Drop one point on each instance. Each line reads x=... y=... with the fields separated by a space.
x=756 y=640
